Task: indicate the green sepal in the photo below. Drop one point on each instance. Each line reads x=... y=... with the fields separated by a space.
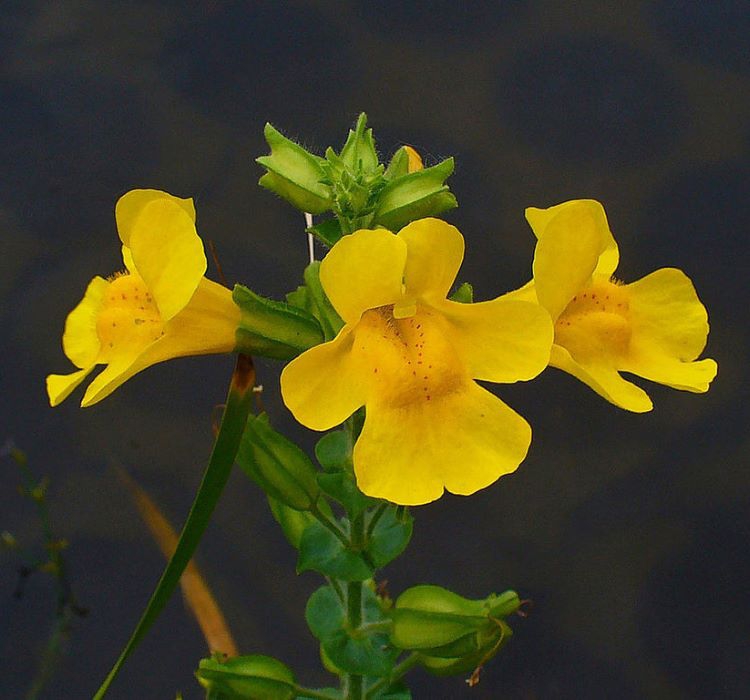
x=334 y=451
x=464 y=294
x=292 y=522
x=272 y=328
x=415 y=196
x=389 y=537
x=503 y=605
x=398 y=166
x=322 y=551
x=491 y=644
x=320 y=306
x=359 y=153
x=327 y=232
x=299 y=298
x=351 y=651
x=277 y=465
x=341 y=487
x=294 y=174
x=253 y=677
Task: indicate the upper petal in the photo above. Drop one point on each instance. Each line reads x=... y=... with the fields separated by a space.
x=667 y=315
x=605 y=380
x=462 y=442
x=167 y=253
x=503 y=340
x=571 y=242
x=435 y=253
x=131 y=204
x=323 y=386
x=363 y=271
x=80 y=339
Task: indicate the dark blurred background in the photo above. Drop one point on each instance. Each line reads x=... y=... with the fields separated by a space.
x=629 y=532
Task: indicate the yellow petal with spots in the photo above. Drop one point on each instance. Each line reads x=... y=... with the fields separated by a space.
x=503 y=340
x=80 y=340
x=667 y=315
x=604 y=379
x=566 y=256
x=131 y=204
x=435 y=251
x=60 y=386
x=321 y=387
x=206 y=326
x=462 y=441
x=362 y=271
x=168 y=254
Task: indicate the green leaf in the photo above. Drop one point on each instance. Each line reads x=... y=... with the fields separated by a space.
x=334 y=451
x=341 y=486
x=253 y=677
x=415 y=196
x=464 y=294
x=353 y=651
x=239 y=402
x=390 y=537
x=398 y=691
x=328 y=231
x=273 y=328
x=294 y=174
x=320 y=550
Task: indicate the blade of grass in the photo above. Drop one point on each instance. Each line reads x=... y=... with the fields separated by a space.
x=239 y=401
x=198 y=597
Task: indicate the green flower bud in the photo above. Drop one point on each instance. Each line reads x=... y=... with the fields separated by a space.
x=358 y=153
x=277 y=465
x=416 y=195
x=429 y=618
x=273 y=328
x=252 y=677
x=294 y=174
x=292 y=522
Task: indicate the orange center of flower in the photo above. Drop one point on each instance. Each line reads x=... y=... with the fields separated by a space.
x=596 y=323
x=128 y=317
x=407 y=360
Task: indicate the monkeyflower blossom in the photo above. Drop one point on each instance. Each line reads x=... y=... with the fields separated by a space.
x=410 y=356
x=160 y=307
x=654 y=328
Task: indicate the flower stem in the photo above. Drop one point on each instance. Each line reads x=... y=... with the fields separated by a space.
x=399 y=670
x=323 y=519
x=354 y=683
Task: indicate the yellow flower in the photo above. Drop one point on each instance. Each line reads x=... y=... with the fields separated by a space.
x=161 y=307
x=410 y=356
x=654 y=328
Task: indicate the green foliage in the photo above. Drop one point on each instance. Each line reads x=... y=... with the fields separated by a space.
x=252 y=677
x=334 y=451
x=464 y=294
x=320 y=307
x=272 y=328
x=389 y=537
x=359 y=651
x=323 y=551
x=294 y=174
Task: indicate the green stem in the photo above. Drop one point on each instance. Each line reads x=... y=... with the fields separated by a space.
x=399 y=670
x=354 y=683
x=323 y=519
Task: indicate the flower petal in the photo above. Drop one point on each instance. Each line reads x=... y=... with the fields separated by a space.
x=503 y=340
x=168 y=254
x=80 y=339
x=435 y=253
x=604 y=380
x=60 y=386
x=131 y=204
x=462 y=442
x=363 y=271
x=323 y=387
x=687 y=376
x=567 y=252
x=667 y=315
x=207 y=325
